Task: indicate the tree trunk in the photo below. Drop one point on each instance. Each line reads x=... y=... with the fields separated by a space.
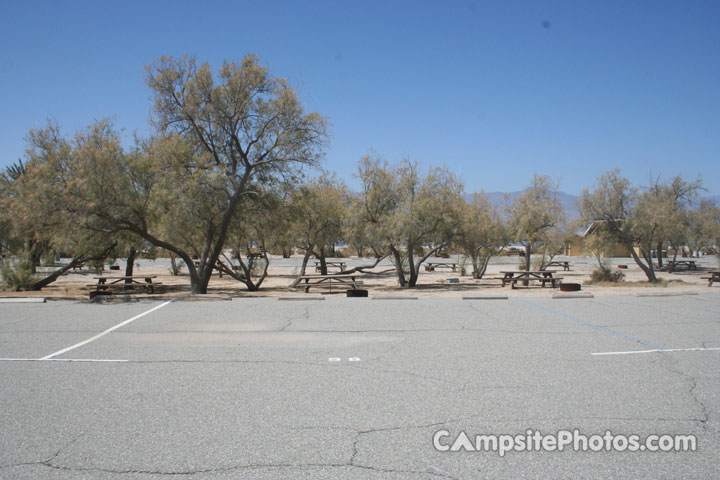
x=658 y=252
x=306 y=257
x=599 y=259
x=647 y=269
x=483 y=267
x=255 y=286
x=527 y=257
x=527 y=262
x=173 y=265
x=130 y=264
x=475 y=265
x=398 y=266
x=411 y=265
x=73 y=263
x=323 y=261
x=246 y=275
x=54 y=275
x=198 y=286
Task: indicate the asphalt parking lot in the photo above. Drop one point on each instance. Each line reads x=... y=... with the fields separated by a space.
x=260 y=388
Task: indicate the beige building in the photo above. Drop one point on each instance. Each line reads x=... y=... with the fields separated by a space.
x=577 y=246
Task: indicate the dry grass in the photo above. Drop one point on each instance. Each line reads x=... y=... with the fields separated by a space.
x=661 y=283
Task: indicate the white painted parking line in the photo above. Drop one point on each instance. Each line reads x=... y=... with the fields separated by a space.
x=99 y=360
x=334 y=359
x=664 y=350
x=353 y=359
x=99 y=335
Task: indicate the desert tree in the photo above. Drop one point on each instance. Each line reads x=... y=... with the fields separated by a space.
x=41 y=219
x=640 y=220
x=319 y=207
x=554 y=241
x=481 y=233
x=406 y=210
x=670 y=216
x=705 y=228
x=534 y=213
x=597 y=237
x=355 y=230
x=612 y=204
x=215 y=136
x=255 y=229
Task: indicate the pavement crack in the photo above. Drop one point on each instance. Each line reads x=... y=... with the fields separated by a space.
x=671 y=366
x=400 y=372
x=304 y=316
x=258 y=466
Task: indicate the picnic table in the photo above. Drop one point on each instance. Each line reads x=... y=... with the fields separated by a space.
x=348 y=280
x=714 y=277
x=104 y=284
x=431 y=266
x=564 y=264
x=541 y=276
x=339 y=265
x=688 y=264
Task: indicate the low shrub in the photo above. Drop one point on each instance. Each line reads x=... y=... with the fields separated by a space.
x=606 y=274
x=18 y=276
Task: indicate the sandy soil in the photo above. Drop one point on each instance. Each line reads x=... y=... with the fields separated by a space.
x=74 y=285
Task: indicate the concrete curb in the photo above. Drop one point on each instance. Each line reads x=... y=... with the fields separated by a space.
x=486 y=297
x=203 y=298
x=21 y=300
x=668 y=294
x=571 y=295
x=393 y=297
x=301 y=299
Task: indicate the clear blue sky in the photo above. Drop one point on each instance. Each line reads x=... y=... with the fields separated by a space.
x=495 y=90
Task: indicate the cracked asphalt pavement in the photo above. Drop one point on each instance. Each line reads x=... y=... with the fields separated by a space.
x=353 y=388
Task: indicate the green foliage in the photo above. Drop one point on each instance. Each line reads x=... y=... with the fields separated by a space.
x=481 y=233
x=17 y=276
x=402 y=209
x=219 y=139
x=638 y=218
x=319 y=207
x=534 y=213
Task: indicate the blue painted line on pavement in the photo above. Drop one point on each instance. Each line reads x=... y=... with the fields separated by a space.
x=596 y=327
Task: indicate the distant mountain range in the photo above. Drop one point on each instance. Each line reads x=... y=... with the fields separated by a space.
x=502 y=201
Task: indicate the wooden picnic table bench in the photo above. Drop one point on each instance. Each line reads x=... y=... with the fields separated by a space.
x=339 y=265
x=714 y=277
x=104 y=284
x=564 y=264
x=348 y=280
x=540 y=276
x=689 y=264
x=431 y=266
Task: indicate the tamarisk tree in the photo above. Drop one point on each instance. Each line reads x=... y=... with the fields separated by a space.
x=406 y=210
x=216 y=136
x=481 y=234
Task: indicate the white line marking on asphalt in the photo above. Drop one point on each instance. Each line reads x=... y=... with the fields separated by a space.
x=334 y=359
x=657 y=350
x=62 y=360
x=99 y=360
x=353 y=359
x=92 y=339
